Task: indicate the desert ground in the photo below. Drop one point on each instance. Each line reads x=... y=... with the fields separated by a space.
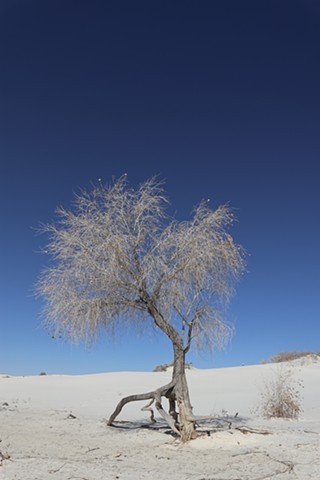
x=54 y=427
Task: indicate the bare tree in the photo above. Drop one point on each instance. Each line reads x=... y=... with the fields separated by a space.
x=119 y=258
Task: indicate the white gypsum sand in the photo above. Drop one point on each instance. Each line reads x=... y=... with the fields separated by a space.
x=53 y=427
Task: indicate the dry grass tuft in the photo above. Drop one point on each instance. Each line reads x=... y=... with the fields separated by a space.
x=281 y=396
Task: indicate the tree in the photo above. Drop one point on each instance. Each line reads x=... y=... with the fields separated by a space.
x=119 y=258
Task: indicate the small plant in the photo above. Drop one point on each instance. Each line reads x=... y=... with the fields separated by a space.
x=161 y=368
x=281 y=396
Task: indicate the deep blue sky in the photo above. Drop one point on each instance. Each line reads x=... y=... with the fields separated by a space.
x=220 y=98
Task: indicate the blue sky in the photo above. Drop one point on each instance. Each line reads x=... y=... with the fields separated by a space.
x=221 y=99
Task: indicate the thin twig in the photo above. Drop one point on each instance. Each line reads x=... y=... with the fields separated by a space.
x=92 y=449
x=58 y=469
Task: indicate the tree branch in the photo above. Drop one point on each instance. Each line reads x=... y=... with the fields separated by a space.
x=187 y=347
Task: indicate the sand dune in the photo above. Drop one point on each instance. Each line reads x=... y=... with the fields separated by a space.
x=53 y=427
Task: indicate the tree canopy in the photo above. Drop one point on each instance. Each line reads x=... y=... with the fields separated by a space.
x=118 y=245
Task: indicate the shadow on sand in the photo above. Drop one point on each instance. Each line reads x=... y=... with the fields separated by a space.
x=207 y=426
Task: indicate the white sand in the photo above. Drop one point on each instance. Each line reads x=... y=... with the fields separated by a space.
x=44 y=442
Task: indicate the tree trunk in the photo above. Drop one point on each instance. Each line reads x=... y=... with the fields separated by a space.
x=182 y=422
x=180 y=393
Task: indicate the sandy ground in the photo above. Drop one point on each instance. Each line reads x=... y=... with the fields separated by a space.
x=53 y=427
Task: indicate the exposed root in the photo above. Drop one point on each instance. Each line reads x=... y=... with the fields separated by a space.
x=168 y=418
x=155 y=395
x=172 y=409
x=171 y=418
x=178 y=425
x=195 y=419
x=148 y=409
